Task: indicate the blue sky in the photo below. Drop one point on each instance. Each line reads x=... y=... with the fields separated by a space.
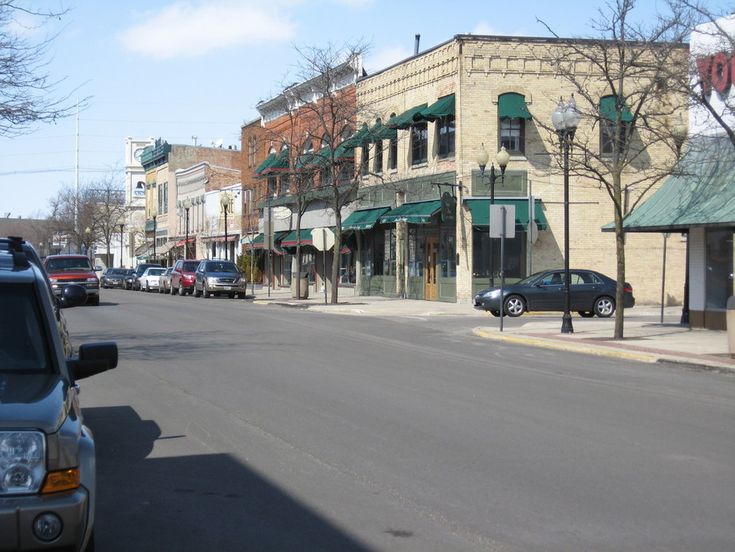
x=177 y=69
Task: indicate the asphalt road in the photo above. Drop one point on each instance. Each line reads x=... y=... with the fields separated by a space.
x=232 y=426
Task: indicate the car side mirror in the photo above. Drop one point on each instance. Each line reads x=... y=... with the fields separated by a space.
x=72 y=296
x=93 y=358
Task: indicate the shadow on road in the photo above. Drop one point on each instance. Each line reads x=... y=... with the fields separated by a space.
x=182 y=503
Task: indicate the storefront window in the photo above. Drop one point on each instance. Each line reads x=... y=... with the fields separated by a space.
x=346 y=268
x=308 y=266
x=389 y=252
x=416 y=247
x=719 y=279
x=515 y=255
x=447 y=255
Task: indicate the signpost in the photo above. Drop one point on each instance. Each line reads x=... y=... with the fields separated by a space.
x=502 y=225
x=323 y=240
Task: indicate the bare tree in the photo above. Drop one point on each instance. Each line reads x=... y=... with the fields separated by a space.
x=629 y=65
x=332 y=111
x=27 y=92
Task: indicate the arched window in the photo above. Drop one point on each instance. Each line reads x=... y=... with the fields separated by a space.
x=308 y=146
x=609 y=113
x=378 y=153
x=393 y=150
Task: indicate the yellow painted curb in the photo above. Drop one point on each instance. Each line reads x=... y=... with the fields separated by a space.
x=567 y=346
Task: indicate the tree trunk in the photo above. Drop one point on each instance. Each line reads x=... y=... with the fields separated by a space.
x=620 y=256
x=335 y=256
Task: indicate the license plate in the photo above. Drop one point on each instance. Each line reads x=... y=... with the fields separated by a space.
x=228 y=287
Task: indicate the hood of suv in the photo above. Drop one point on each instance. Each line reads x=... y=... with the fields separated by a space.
x=37 y=401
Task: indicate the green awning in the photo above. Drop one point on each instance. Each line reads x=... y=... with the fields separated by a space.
x=480 y=211
x=357 y=139
x=441 y=108
x=381 y=132
x=702 y=193
x=608 y=111
x=289 y=240
x=265 y=164
x=363 y=219
x=405 y=119
x=512 y=106
x=413 y=213
x=279 y=164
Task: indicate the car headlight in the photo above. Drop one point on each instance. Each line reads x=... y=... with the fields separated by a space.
x=211 y=280
x=92 y=280
x=22 y=461
x=492 y=294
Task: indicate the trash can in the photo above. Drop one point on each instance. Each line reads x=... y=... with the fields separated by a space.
x=304 y=288
x=730 y=324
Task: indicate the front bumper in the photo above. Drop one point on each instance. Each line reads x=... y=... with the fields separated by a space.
x=93 y=290
x=17 y=515
x=227 y=287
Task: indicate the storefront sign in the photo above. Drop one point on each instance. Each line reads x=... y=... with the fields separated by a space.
x=716 y=71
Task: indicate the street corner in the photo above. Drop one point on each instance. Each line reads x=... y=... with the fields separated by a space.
x=564 y=344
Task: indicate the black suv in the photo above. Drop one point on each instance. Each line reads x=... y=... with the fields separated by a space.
x=139 y=270
x=47 y=456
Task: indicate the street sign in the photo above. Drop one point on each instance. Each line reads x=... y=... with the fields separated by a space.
x=496 y=221
x=322 y=238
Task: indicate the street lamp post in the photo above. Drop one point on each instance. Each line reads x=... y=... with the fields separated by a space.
x=225 y=202
x=187 y=206
x=679 y=132
x=565 y=119
x=502 y=158
x=87 y=234
x=121 y=223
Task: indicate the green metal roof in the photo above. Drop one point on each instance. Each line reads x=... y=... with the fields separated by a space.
x=380 y=132
x=279 y=164
x=440 y=108
x=359 y=138
x=702 y=193
x=266 y=163
x=413 y=213
x=363 y=219
x=480 y=211
x=512 y=106
x=405 y=119
x=608 y=111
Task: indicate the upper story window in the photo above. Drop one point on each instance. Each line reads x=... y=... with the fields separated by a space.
x=251 y=151
x=419 y=143
x=513 y=115
x=445 y=132
x=612 y=129
x=393 y=150
x=364 y=159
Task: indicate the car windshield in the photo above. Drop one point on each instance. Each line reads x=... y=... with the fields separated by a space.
x=190 y=266
x=68 y=264
x=116 y=271
x=22 y=345
x=220 y=267
x=155 y=271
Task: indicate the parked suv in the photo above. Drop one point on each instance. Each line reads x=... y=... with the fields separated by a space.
x=63 y=270
x=183 y=276
x=214 y=277
x=139 y=270
x=47 y=454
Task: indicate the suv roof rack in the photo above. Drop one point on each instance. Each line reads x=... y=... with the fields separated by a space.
x=15 y=246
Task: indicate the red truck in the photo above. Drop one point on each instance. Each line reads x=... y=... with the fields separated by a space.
x=73 y=269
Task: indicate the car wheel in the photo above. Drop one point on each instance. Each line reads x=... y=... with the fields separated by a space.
x=181 y=290
x=231 y=295
x=604 y=307
x=147 y=288
x=514 y=306
x=93 y=300
x=207 y=294
x=585 y=314
x=197 y=292
x=495 y=313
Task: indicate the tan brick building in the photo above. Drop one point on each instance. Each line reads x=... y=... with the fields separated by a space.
x=444 y=105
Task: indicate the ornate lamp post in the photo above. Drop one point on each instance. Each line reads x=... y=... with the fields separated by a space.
x=565 y=119
x=154 y=214
x=121 y=224
x=502 y=158
x=187 y=206
x=224 y=200
x=87 y=234
x=679 y=132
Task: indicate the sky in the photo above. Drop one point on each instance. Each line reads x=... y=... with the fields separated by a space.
x=175 y=69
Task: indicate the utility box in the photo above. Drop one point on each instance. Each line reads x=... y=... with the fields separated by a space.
x=730 y=323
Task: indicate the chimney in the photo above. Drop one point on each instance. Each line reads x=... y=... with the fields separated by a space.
x=416 y=45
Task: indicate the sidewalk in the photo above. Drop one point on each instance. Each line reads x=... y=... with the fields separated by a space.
x=646 y=339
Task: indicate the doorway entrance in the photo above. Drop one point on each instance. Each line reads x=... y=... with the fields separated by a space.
x=431 y=289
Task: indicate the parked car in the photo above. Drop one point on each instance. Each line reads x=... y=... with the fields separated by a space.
x=164 y=281
x=129 y=278
x=139 y=270
x=183 y=276
x=591 y=293
x=113 y=277
x=63 y=270
x=151 y=278
x=47 y=454
x=215 y=277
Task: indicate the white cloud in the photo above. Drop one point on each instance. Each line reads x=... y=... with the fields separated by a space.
x=484 y=28
x=386 y=57
x=190 y=29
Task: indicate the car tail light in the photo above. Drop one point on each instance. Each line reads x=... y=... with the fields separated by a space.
x=627 y=288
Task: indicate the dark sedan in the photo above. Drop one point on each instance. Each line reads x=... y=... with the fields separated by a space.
x=591 y=293
x=113 y=277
